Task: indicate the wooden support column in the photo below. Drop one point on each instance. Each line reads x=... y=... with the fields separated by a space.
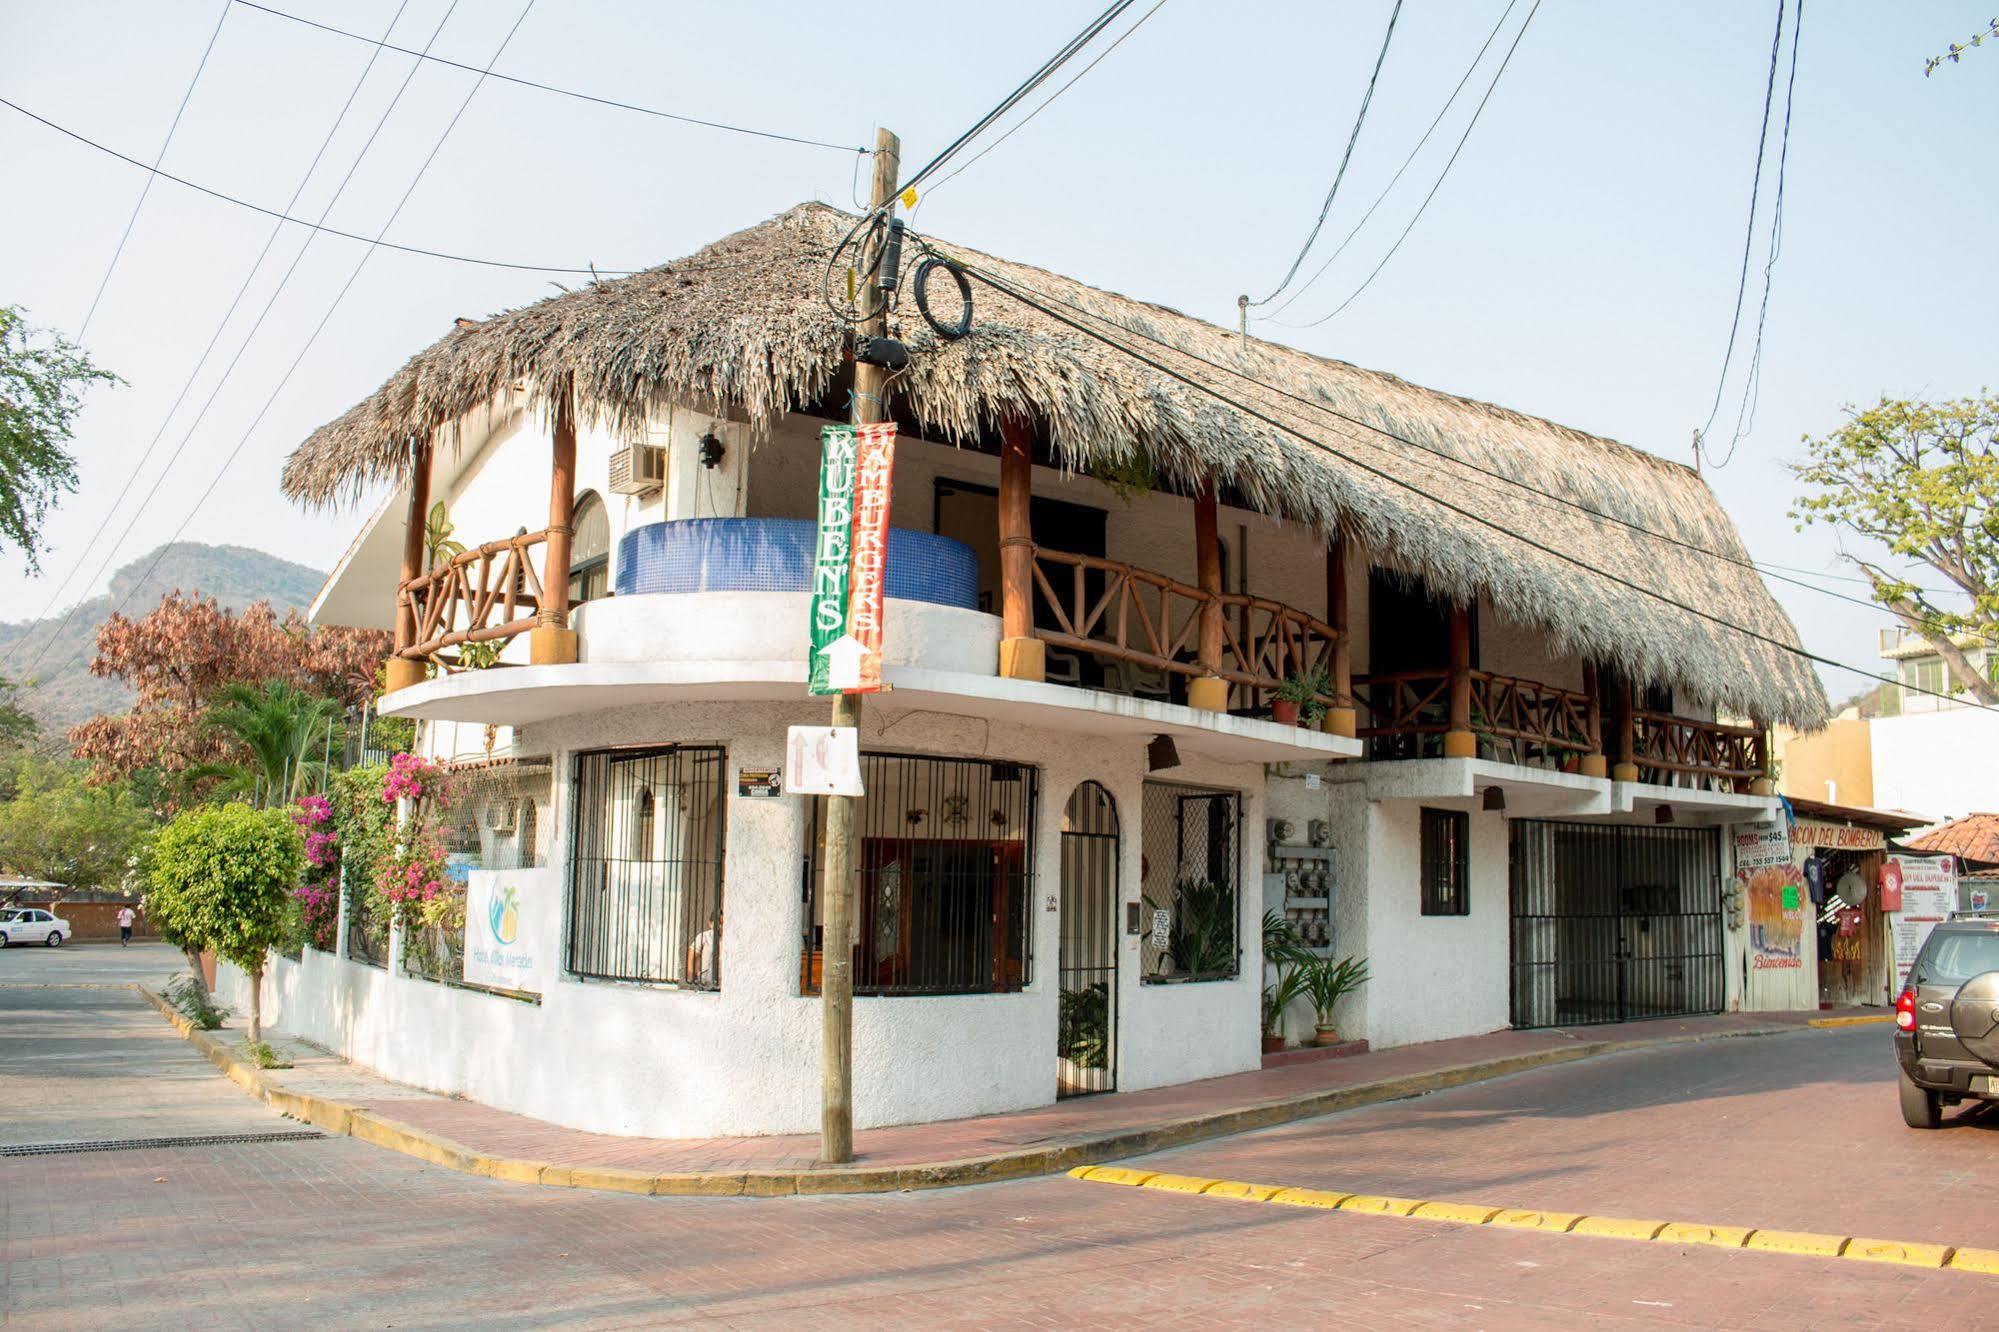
x=1022 y=655
x=1460 y=741
x=552 y=642
x=402 y=671
x=1342 y=718
x=1759 y=751
x=1594 y=764
x=1625 y=729
x=1208 y=690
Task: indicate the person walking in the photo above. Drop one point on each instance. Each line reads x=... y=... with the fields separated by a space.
x=126 y=917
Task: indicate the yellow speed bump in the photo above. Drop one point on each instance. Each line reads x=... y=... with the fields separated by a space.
x=1685 y=1232
x=1895 y=1251
x=1181 y=1183
x=1801 y=1242
x=1975 y=1260
x=1518 y=1219
x=1235 y=1188
x=1617 y=1227
x=1378 y=1206
x=1470 y=1214
x=1112 y=1174
x=1309 y=1197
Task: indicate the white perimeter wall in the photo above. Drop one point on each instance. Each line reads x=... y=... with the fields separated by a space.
x=657 y=1061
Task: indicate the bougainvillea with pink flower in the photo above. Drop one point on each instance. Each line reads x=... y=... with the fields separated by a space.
x=318 y=893
x=412 y=875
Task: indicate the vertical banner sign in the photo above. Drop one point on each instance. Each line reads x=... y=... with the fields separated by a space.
x=850 y=562
x=833 y=558
x=873 y=471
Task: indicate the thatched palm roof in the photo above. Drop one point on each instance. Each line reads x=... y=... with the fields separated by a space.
x=743 y=323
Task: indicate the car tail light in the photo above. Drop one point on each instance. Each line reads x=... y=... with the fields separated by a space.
x=1905 y=1010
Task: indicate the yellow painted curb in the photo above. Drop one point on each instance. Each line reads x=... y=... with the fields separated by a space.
x=1309 y=1197
x=1516 y=1219
x=1470 y=1214
x=1235 y=1188
x=1181 y=1183
x=1975 y=1260
x=610 y=1179
x=1894 y=1251
x=1863 y=1020
x=1617 y=1227
x=1686 y=1232
x=1378 y=1206
x=1802 y=1242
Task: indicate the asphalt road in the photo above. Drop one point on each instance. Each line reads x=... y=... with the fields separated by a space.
x=1797 y=1130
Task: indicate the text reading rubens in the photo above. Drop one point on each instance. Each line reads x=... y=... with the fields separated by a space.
x=850 y=562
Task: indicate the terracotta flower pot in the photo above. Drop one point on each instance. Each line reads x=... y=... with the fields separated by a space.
x=1283 y=712
x=1322 y=1034
x=1273 y=1044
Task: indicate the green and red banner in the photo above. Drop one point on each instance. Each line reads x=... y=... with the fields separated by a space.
x=850 y=564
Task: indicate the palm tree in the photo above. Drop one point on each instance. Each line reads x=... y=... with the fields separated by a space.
x=282 y=727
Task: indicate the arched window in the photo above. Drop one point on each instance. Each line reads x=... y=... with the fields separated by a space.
x=642 y=826
x=589 y=550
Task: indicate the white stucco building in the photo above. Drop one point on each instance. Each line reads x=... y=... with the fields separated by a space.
x=1079 y=803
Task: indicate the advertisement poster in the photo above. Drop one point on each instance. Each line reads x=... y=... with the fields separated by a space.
x=850 y=559
x=1929 y=893
x=496 y=950
x=1774 y=891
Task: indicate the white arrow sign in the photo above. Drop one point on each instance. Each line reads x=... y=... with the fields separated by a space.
x=843 y=662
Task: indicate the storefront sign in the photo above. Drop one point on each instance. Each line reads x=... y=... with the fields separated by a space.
x=1837 y=836
x=758 y=782
x=1929 y=893
x=1774 y=889
x=850 y=560
x=496 y=949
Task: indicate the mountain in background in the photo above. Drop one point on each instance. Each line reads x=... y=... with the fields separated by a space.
x=52 y=658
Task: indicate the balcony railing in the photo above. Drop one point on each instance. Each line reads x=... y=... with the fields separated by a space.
x=488 y=594
x=1675 y=751
x=1147 y=627
x=1409 y=711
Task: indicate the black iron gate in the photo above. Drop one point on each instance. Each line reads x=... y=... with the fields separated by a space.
x=1086 y=1031
x=1614 y=923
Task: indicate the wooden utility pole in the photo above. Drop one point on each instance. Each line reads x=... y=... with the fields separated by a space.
x=836 y=979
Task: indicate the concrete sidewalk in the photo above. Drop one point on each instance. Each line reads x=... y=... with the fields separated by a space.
x=342 y=1097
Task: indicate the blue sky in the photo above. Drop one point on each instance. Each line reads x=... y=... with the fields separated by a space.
x=1579 y=262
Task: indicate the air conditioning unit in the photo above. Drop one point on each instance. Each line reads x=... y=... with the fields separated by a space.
x=500 y=816
x=638 y=469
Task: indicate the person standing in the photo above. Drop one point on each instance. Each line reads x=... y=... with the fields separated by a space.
x=704 y=954
x=126 y=918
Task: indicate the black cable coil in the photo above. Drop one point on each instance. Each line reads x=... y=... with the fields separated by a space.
x=953 y=331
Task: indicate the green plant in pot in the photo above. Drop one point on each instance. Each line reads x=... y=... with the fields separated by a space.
x=1200 y=938
x=1281 y=952
x=1298 y=696
x=1326 y=982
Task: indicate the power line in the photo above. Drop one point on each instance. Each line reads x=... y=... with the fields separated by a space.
x=1421 y=208
x=153 y=172
x=1396 y=179
x=1531 y=491
x=1006 y=288
x=282 y=216
x=1353 y=137
x=560 y=92
x=132 y=473
x=1752 y=386
x=325 y=318
x=1020 y=124
x=1749 y=231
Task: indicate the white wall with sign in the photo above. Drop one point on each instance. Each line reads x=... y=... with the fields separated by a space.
x=507 y=939
x=1929 y=895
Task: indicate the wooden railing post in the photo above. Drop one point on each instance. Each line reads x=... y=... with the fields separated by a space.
x=1624 y=718
x=403 y=672
x=1460 y=741
x=1594 y=763
x=1022 y=655
x=1759 y=756
x=1342 y=718
x=1208 y=690
x=552 y=642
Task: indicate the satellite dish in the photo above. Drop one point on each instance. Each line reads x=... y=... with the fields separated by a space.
x=1852 y=887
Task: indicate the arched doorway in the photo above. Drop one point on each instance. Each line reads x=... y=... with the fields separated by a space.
x=1086 y=1028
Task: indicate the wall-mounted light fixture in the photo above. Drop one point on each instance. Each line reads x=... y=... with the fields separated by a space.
x=711 y=451
x=1161 y=753
x=1663 y=814
x=1494 y=801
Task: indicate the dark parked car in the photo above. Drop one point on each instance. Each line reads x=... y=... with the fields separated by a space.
x=1947 y=1020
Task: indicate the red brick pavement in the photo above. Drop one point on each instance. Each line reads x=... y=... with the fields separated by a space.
x=501 y=1133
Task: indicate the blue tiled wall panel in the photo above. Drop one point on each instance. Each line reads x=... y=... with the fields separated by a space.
x=775 y=555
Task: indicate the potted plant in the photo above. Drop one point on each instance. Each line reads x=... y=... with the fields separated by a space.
x=1327 y=982
x=1281 y=951
x=1299 y=691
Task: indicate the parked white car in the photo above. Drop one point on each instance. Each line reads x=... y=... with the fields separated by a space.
x=26 y=925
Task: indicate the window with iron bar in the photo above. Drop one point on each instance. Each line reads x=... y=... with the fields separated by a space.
x=1446 y=862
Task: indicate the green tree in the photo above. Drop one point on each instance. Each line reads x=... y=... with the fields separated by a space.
x=283 y=730
x=42 y=379
x=56 y=825
x=1922 y=480
x=222 y=879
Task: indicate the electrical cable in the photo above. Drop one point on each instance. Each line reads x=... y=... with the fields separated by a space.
x=1022 y=122
x=283 y=216
x=1530 y=490
x=1749 y=232
x=1396 y=179
x=1752 y=387
x=1421 y=208
x=319 y=328
x=560 y=92
x=153 y=172
x=1346 y=157
x=1005 y=288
